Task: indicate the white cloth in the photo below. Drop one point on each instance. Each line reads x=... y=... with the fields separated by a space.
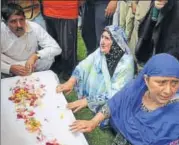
x=13 y=130
x=16 y=50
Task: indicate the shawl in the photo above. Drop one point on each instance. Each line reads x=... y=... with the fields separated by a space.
x=159 y=127
x=93 y=78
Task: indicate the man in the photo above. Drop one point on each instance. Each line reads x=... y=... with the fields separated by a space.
x=32 y=10
x=61 y=22
x=19 y=44
x=138 y=12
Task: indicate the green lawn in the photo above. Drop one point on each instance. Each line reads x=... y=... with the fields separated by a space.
x=98 y=136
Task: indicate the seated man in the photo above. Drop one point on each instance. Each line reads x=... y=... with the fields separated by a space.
x=20 y=41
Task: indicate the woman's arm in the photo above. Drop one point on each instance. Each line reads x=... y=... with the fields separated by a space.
x=81 y=69
x=90 y=125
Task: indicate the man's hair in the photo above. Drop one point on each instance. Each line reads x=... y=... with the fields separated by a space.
x=11 y=9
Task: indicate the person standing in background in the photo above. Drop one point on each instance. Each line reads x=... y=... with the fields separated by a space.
x=139 y=10
x=131 y=14
x=3 y=3
x=124 y=10
x=116 y=16
x=159 y=32
x=61 y=21
x=97 y=15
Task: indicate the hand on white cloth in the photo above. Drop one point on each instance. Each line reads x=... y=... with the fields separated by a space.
x=19 y=70
x=83 y=126
x=77 y=105
x=67 y=87
x=111 y=8
x=30 y=64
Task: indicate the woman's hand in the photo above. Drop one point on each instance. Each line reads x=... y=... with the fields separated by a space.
x=83 y=126
x=87 y=126
x=77 y=105
x=67 y=87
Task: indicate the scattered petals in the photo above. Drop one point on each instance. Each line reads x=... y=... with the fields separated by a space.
x=27 y=94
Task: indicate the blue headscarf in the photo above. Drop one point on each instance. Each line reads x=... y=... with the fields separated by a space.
x=159 y=127
x=119 y=36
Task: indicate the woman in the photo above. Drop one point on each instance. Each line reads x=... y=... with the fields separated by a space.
x=146 y=110
x=159 y=32
x=104 y=72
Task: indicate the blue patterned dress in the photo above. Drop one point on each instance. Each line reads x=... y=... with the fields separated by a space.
x=93 y=79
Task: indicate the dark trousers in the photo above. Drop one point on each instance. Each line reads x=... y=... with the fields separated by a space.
x=64 y=31
x=93 y=24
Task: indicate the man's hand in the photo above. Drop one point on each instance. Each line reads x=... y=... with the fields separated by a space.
x=83 y=126
x=77 y=105
x=30 y=64
x=111 y=8
x=19 y=70
x=134 y=6
x=81 y=2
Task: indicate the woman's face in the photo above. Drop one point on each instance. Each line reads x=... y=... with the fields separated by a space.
x=162 y=89
x=105 y=42
x=159 y=4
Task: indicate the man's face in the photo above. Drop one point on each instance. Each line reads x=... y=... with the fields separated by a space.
x=16 y=24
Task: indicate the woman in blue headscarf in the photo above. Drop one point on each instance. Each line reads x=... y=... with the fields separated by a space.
x=98 y=77
x=146 y=111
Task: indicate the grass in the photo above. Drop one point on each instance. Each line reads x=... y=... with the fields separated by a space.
x=98 y=136
x=81 y=51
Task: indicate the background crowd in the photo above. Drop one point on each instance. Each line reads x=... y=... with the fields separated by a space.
x=151 y=26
